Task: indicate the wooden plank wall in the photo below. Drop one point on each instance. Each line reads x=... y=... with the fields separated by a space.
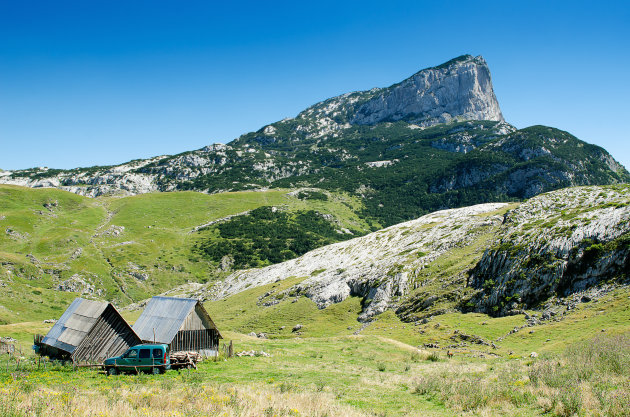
x=194 y=322
x=195 y=340
x=110 y=336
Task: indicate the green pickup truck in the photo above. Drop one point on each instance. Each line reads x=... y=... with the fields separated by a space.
x=145 y=358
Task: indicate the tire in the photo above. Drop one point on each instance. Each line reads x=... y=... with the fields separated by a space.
x=156 y=370
x=112 y=370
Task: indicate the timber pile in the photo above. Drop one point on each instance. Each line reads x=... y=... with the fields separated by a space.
x=7 y=345
x=184 y=359
x=252 y=353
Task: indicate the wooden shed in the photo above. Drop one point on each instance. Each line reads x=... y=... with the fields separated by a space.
x=88 y=330
x=181 y=323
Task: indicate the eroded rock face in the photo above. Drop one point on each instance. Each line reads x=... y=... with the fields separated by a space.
x=376 y=267
x=459 y=89
x=556 y=244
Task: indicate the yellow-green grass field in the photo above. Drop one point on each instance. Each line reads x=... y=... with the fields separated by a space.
x=50 y=237
x=581 y=367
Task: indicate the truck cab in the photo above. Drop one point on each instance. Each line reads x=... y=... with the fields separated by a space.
x=146 y=358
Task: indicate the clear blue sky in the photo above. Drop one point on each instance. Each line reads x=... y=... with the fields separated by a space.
x=102 y=82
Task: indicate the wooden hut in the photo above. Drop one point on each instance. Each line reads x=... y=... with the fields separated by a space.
x=88 y=330
x=181 y=323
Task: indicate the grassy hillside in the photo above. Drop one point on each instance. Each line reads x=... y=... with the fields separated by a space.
x=56 y=245
x=581 y=368
x=421 y=170
x=243 y=313
x=333 y=365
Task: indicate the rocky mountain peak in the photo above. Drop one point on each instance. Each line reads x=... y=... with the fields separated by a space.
x=458 y=89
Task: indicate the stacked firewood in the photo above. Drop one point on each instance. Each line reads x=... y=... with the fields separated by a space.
x=184 y=358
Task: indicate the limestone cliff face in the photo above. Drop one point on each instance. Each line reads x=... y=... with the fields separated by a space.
x=461 y=88
x=555 y=244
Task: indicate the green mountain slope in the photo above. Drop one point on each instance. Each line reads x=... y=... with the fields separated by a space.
x=55 y=245
x=494 y=258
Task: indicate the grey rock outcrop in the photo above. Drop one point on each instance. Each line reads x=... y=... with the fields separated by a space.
x=459 y=89
x=377 y=267
x=79 y=284
x=556 y=244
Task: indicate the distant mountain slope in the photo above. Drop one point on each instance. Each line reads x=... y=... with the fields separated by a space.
x=493 y=257
x=436 y=140
x=380 y=267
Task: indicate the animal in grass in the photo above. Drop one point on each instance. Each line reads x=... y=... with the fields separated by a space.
x=449 y=354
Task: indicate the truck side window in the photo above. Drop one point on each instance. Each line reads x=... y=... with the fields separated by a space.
x=131 y=354
x=145 y=353
x=157 y=353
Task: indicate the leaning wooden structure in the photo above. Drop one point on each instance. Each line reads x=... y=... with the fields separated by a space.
x=88 y=331
x=181 y=323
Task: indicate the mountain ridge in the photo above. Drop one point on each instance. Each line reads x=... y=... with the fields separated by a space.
x=376 y=144
x=495 y=258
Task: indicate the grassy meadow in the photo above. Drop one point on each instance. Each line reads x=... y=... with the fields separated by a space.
x=577 y=363
x=120 y=249
x=581 y=367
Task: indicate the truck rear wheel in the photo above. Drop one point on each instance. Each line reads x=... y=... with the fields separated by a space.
x=112 y=370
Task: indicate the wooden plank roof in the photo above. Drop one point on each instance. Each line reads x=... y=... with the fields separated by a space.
x=74 y=325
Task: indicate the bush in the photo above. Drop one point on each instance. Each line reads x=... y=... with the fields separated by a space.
x=571 y=400
x=267 y=236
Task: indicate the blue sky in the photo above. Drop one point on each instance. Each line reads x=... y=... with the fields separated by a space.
x=87 y=83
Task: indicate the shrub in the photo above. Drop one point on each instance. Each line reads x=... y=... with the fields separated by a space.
x=571 y=400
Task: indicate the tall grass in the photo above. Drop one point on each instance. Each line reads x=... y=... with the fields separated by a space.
x=183 y=400
x=589 y=378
